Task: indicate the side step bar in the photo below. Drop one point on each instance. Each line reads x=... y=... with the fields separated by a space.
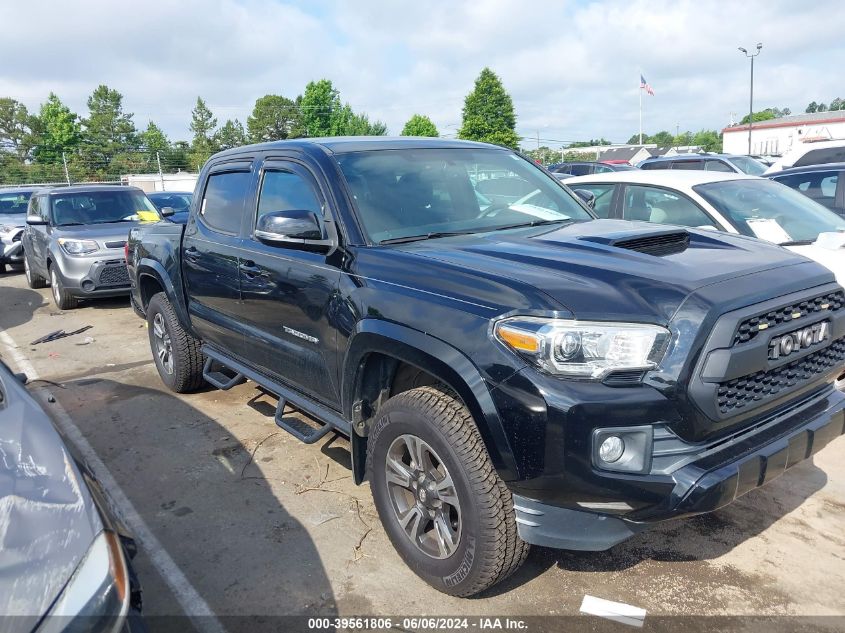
x=332 y=420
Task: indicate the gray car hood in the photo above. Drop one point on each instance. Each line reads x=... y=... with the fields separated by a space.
x=13 y=219
x=48 y=519
x=102 y=233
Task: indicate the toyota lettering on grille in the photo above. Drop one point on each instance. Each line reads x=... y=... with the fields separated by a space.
x=793 y=342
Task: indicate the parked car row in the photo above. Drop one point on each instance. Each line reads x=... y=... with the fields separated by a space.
x=510 y=368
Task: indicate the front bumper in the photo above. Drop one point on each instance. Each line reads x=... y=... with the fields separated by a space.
x=102 y=275
x=706 y=481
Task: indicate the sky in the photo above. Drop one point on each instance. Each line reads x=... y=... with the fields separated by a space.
x=572 y=68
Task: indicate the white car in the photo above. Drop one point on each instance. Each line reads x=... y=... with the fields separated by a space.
x=734 y=203
x=810 y=153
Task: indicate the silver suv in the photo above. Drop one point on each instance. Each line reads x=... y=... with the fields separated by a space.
x=75 y=237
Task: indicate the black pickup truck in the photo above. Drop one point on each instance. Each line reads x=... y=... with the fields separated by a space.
x=509 y=369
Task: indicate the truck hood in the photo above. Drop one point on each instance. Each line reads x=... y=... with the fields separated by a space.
x=581 y=269
x=48 y=519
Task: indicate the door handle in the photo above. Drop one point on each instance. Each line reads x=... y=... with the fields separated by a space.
x=249 y=269
x=191 y=253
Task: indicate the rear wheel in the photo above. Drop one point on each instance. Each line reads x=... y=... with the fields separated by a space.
x=63 y=299
x=439 y=498
x=33 y=279
x=177 y=354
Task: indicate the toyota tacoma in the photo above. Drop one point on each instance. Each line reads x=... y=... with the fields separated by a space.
x=509 y=369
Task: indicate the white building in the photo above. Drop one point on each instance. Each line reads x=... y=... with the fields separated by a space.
x=182 y=181
x=777 y=136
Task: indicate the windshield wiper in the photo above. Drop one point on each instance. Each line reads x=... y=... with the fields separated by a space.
x=424 y=236
x=530 y=224
x=797 y=243
x=71 y=224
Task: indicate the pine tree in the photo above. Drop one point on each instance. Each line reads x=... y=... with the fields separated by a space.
x=488 y=113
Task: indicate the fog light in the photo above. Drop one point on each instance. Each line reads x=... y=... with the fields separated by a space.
x=611 y=449
x=87 y=285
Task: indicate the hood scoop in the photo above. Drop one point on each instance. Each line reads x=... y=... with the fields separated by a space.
x=657 y=244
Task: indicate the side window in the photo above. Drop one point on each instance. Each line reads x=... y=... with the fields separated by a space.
x=44 y=208
x=651 y=204
x=580 y=170
x=604 y=196
x=818 y=186
x=602 y=169
x=285 y=191
x=821 y=157
x=688 y=164
x=223 y=202
x=717 y=165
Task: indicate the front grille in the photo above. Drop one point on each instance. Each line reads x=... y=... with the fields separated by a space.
x=756 y=388
x=749 y=328
x=114 y=276
x=658 y=245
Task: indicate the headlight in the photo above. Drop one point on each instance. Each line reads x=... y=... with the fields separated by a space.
x=584 y=349
x=78 y=247
x=97 y=596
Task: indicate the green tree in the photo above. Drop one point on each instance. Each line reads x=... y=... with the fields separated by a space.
x=661 y=138
x=837 y=104
x=57 y=129
x=108 y=130
x=16 y=128
x=153 y=139
x=345 y=122
x=321 y=108
x=812 y=107
x=232 y=134
x=593 y=142
x=274 y=118
x=420 y=125
x=708 y=140
x=488 y=114
x=203 y=125
x=682 y=138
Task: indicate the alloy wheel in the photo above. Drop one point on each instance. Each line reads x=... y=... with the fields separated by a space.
x=163 y=344
x=423 y=496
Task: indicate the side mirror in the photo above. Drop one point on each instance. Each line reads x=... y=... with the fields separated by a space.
x=289 y=226
x=166 y=212
x=588 y=197
x=35 y=220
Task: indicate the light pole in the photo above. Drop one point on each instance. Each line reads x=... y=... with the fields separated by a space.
x=751 y=56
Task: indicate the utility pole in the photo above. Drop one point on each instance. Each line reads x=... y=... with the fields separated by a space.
x=751 y=56
x=67 y=174
x=160 y=175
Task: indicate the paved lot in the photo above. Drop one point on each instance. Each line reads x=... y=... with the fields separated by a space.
x=261 y=524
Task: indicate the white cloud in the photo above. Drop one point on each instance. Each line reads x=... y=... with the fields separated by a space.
x=572 y=68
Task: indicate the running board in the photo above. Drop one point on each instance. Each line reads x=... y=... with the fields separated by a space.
x=332 y=420
x=218 y=378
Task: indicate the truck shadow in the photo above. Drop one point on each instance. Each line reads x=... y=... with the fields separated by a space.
x=700 y=538
x=205 y=497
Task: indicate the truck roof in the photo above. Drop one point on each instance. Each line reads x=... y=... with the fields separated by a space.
x=343 y=144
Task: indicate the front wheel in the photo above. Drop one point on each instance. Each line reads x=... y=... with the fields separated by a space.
x=177 y=354
x=438 y=496
x=63 y=299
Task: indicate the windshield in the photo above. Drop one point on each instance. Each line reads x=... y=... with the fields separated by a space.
x=769 y=210
x=410 y=193
x=100 y=207
x=14 y=202
x=748 y=165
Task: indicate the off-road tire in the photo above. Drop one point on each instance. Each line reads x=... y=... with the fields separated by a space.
x=187 y=358
x=489 y=548
x=33 y=279
x=61 y=297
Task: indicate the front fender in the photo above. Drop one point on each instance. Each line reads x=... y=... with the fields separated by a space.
x=439 y=359
x=147 y=267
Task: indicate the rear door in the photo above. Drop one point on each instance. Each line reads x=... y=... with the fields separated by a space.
x=210 y=250
x=288 y=291
x=647 y=203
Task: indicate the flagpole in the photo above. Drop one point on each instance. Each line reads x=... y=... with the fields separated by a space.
x=641 y=111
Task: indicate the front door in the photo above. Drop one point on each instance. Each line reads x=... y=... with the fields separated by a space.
x=37 y=236
x=210 y=256
x=287 y=292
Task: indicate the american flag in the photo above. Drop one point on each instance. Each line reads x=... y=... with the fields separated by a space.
x=644 y=86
